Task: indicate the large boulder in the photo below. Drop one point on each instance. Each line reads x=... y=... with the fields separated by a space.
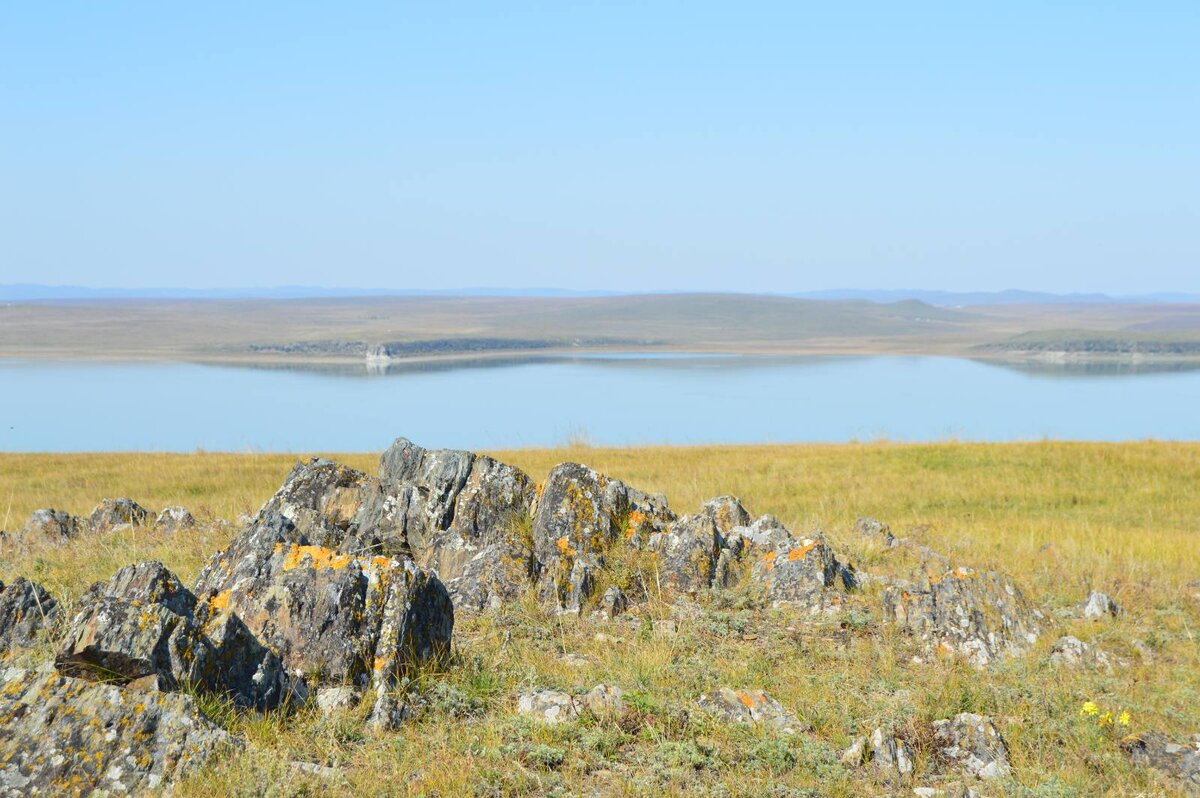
x=56 y=526
x=980 y=615
x=112 y=513
x=64 y=736
x=334 y=617
x=690 y=549
x=26 y=611
x=144 y=626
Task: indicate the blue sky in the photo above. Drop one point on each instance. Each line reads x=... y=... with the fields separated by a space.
x=748 y=146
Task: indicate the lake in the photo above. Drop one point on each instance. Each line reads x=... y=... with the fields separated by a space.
x=605 y=400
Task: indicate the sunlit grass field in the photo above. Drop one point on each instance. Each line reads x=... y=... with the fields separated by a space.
x=1061 y=518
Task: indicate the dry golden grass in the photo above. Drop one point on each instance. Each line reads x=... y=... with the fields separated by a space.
x=1062 y=518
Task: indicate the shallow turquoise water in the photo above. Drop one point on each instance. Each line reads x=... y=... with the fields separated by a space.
x=625 y=399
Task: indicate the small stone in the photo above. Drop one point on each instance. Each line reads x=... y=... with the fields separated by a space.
x=1176 y=760
x=174 y=519
x=666 y=627
x=337 y=699
x=751 y=707
x=973 y=744
x=613 y=602
x=602 y=701
x=113 y=513
x=56 y=526
x=1099 y=605
x=574 y=660
x=549 y=706
x=1071 y=652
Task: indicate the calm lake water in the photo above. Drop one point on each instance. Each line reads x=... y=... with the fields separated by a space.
x=69 y=406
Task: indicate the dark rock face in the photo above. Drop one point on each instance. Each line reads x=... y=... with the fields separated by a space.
x=26 y=610
x=64 y=736
x=973 y=745
x=174 y=519
x=334 y=617
x=980 y=615
x=55 y=525
x=112 y=513
x=143 y=625
x=1154 y=750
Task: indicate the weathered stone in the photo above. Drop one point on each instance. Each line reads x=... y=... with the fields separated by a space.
x=801 y=573
x=144 y=626
x=174 y=519
x=973 y=745
x=614 y=602
x=26 y=612
x=688 y=550
x=980 y=615
x=871 y=528
x=602 y=701
x=1098 y=605
x=1155 y=750
x=63 y=736
x=1071 y=652
x=581 y=511
x=111 y=513
x=890 y=756
x=334 y=617
x=337 y=699
x=54 y=525
x=322 y=499
x=766 y=533
x=749 y=706
x=550 y=706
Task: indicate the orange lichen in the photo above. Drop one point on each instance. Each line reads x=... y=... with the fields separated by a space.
x=564 y=546
x=318 y=556
x=746 y=699
x=221 y=600
x=379 y=663
x=801 y=551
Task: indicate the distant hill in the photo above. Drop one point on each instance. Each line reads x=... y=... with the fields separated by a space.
x=1009 y=297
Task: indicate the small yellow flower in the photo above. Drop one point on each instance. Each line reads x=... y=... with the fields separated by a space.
x=1089 y=708
x=1123 y=718
x=1106 y=719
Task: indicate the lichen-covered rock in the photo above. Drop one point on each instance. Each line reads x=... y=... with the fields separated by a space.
x=749 y=706
x=143 y=625
x=54 y=525
x=800 y=572
x=335 y=617
x=973 y=745
x=891 y=756
x=1155 y=750
x=337 y=699
x=1099 y=605
x=322 y=500
x=689 y=550
x=174 y=519
x=64 y=736
x=871 y=528
x=602 y=701
x=111 y=513
x=581 y=511
x=26 y=611
x=980 y=615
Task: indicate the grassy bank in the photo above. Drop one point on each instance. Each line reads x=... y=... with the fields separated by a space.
x=1061 y=518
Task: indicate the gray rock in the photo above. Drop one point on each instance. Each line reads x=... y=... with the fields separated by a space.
x=26 y=612
x=337 y=699
x=614 y=602
x=549 y=706
x=801 y=572
x=972 y=744
x=891 y=756
x=980 y=615
x=602 y=701
x=62 y=736
x=1098 y=605
x=54 y=525
x=174 y=519
x=343 y=619
x=1071 y=652
x=112 y=513
x=1176 y=760
x=751 y=707
x=871 y=528
x=144 y=626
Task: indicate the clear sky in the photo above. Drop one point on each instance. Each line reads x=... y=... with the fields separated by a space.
x=1051 y=145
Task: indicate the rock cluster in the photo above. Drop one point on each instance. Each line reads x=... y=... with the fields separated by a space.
x=59 y=526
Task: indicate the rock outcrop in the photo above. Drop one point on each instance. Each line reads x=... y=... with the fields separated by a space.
x=890 y=756
x=26 y=611
x=980 y=615
x=144 y=626
x=112 y=513
x=64 y=736
x=56 y=526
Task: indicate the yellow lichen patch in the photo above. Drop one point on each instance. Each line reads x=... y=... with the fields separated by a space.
x=769 y=559
x=380 y=662
x=318 y=556
x=564 y=546
x=800 y=552
x=749 y=699
x=381 y=562
x=221 y=600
